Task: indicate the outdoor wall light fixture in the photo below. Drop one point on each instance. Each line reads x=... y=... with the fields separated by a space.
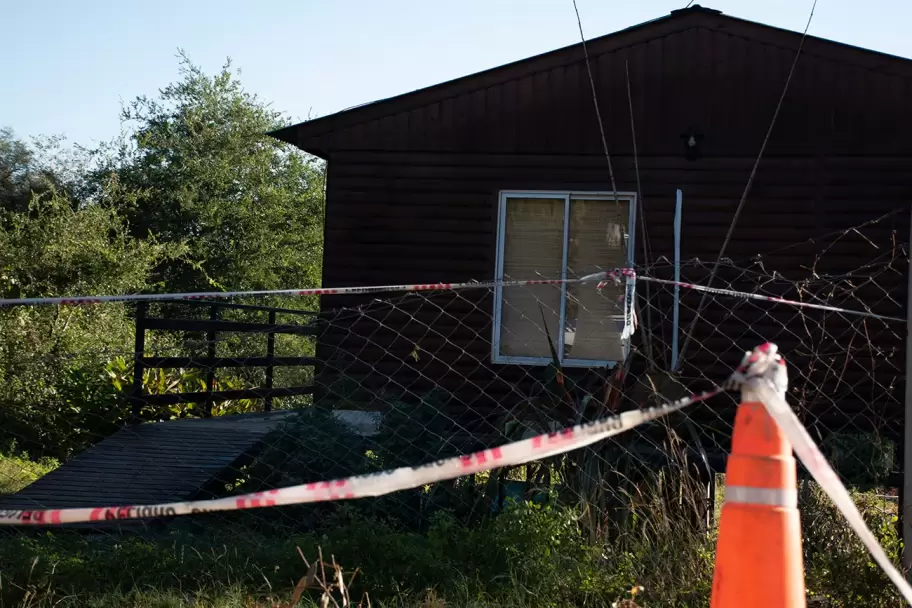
x=693 y=143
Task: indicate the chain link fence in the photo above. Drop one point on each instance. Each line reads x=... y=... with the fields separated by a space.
x=125 y=404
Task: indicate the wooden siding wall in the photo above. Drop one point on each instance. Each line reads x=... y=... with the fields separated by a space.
x=412 y=198
x=429 y=218
x=724 y=84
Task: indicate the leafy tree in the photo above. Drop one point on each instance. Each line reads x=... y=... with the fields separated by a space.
x=54 y=396
x=204 y=172
x=30 y=169
x=194 y=195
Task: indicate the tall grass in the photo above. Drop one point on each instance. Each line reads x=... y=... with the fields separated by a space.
x=18 y=471
x=532 y=554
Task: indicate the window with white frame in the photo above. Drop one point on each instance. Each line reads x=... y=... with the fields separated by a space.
x=563 y=235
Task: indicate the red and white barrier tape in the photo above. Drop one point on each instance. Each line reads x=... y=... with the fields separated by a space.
x=375 y=484
x=774 y=299
x=603 y=278
x=615 y=275
x=765 y=382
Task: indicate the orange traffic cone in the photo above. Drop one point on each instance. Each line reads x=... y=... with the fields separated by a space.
x=758 y=553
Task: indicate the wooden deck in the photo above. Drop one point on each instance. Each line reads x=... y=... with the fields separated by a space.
x=151 y=463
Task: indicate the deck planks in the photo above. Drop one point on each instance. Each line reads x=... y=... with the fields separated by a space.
x=150 y=463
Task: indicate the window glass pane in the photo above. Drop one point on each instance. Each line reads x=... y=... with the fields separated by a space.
x=598 y=241
x=533 y=249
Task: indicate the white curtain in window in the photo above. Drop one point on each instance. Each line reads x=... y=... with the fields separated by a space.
x=533 y=249
x=594 y=320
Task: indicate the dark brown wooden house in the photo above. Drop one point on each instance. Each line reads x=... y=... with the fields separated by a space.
x=459 y=182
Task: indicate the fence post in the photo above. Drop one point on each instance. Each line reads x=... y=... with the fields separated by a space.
x=905 y=509
x=677 y=277
x=139 y=347
x=270 y=356
x=210 y=353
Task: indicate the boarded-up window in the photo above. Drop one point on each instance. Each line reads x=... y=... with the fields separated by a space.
x=561 y=236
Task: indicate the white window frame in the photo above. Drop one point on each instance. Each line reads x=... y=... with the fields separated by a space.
x=567 y=196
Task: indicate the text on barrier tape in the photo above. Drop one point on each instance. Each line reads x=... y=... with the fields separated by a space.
x=372 y=484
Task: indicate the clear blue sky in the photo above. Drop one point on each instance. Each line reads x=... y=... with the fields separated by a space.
x=71 y=64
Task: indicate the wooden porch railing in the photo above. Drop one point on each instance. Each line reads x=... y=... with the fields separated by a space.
x=211 y=363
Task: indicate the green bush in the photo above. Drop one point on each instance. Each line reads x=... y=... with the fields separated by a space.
x=861 y=458
x=312 y=446
x=416 y=432
x=530 y=549
x=55 y=398
x=62 y=411
x=838 y=568
x=315 y=446
x=420 y=431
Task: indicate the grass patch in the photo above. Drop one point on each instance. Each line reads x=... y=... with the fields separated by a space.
x=531 y=555
x=16 y=472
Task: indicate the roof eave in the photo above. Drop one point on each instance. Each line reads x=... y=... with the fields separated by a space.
x=309 y=135
x=289 y=135
x=299 y=134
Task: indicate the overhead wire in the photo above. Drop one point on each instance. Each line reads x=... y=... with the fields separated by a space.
x=601 y=126
x=688 y=335
x=598 y=113
x=647 y=332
